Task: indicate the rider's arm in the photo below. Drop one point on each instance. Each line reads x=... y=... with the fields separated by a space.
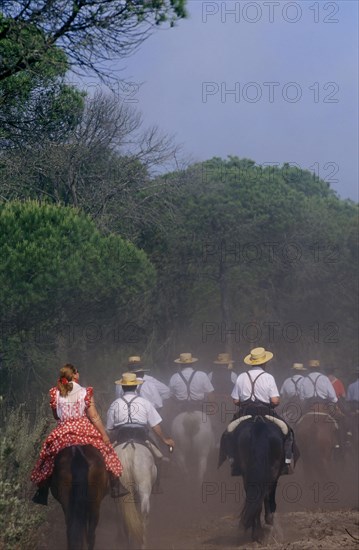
x=235 y=392
x=166 y=440
x=274 y=401
x=209 y=396
x=95 y=418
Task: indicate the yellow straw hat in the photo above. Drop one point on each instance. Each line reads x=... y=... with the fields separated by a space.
x=314 y=363
x=224 y=359
x=135 y=364
x=129 y=379
x=186 y=358
x=298 y=366
x=258 y=356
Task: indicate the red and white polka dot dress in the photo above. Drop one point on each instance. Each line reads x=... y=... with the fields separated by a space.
x=74 y=428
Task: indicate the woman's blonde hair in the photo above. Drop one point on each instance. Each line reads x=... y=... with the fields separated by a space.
x=64 y=383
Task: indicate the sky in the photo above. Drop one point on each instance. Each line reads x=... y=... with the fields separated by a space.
x=273 y=81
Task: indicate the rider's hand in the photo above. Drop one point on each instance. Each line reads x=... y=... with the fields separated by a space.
x=169 y=442
x=106 y=440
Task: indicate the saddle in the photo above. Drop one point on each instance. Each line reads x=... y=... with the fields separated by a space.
x=280 y=423
x=129 y=434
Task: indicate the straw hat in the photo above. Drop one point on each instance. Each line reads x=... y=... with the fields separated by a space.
x=224 y=359
x=186 y=358
x=314 y=363
x=298 y=366
x=135 y=364
x=258 y=356
x=129 y=379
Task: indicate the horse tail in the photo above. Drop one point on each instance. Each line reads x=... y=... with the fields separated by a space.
x=257 y=475
x=78 y=509
x=191 y=424
x=128 y=504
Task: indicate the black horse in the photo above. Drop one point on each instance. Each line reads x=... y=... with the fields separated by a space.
x=258 y=453
x=79 y=482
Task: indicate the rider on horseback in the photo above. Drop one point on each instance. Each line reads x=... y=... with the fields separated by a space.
x=256 y=394
x=189 y=387
x=151 y=389
x=78 y=424
x=223 y=377
x=131 y=415
x=319 y=396
x=291 y=386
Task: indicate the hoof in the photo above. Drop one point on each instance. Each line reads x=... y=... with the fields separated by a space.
x=269 y=519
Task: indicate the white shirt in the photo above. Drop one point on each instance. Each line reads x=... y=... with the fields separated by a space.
x=162 y=389
x=264 y=388
x=73 y=405
x=353 y=391
x=200 y=385
x=142 y=412
x=324 y=387
x=147 y=390
x=289 y=388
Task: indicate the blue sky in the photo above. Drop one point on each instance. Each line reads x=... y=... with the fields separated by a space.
x=308 y=49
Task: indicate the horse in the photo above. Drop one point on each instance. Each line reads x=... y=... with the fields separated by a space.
x=257 y=446
x=79 y=483
x=195 y=440
x=138 y=478
x=317 y=436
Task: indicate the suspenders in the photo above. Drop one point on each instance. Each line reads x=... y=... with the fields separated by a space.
x=128 y=403
x=188 y=383
x=315 y=383
x=253 y=384
x=296 y=382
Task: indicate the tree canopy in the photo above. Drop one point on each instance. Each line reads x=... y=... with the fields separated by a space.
x=90 y=32
x=59 y=270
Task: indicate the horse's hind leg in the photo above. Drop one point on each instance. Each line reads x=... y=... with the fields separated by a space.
x=270 y=505
x=257 y=528
x=93 y=521
x=202 y=468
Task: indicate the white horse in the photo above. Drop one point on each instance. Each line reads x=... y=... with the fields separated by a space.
x=138 y=478
x=194 y=437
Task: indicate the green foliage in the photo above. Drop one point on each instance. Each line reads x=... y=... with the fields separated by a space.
x=226 y=254
x=58 y=269
x=35 y=103
x=89 y=33
x=22 y=432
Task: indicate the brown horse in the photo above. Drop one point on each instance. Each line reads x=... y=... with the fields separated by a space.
x=317 y=437
x=79 y=482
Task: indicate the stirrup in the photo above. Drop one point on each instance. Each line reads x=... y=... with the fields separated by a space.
x=41 y=496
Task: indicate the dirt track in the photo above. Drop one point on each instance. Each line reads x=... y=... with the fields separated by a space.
x=309 y=516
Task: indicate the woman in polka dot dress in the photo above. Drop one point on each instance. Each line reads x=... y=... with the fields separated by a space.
x=78 y=424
